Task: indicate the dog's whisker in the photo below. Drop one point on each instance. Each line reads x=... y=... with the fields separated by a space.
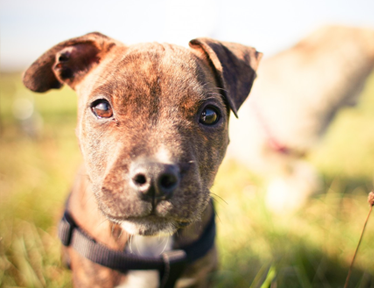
x=102 y=222
x=89 y=198
x=217 y=217
x=130 y=244
x=165 y=245
x=114 y=228
x=223 y=89
x=213 y=94
x=216 y=197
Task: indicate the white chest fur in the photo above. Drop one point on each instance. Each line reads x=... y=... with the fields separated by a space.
x=147 y=247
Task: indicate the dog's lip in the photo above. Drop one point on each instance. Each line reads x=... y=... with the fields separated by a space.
x=149 y=218
x=183 y=224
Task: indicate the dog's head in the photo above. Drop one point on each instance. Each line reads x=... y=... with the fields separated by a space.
x=152 y=121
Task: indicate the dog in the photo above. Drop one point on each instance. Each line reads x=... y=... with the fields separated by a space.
x=153 y=130
x=297 y=95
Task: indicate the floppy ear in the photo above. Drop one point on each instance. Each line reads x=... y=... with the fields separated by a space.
x=234 y=66
x=67 y=62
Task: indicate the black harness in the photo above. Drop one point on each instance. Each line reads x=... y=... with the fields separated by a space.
x=170 y=264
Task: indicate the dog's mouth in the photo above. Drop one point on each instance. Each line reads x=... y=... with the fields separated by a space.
x=150 y=225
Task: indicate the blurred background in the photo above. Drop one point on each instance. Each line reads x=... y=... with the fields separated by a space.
x=39 y=155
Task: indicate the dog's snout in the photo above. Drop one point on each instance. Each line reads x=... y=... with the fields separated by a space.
x=155 y=181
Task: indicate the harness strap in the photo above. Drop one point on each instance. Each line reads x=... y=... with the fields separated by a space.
x=170 y=264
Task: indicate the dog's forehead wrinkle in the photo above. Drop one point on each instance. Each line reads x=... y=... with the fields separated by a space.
x=156 y=70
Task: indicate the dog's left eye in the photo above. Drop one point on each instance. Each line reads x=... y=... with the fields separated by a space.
x=101 y=108
x=209 y=116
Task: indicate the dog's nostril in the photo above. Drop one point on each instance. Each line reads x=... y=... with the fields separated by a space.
x=63 y=57
x=140 y=179
x=168 y=181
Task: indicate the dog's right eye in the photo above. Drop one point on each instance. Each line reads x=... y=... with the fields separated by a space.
x=101 y=108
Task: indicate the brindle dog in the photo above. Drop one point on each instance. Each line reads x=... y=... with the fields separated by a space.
x=153 y=130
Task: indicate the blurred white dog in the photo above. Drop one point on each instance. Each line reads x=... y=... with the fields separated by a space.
x=295 y=97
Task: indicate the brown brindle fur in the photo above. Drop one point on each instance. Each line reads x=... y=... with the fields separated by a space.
x=157 y=93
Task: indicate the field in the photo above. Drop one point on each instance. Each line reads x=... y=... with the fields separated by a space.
x=313 y=248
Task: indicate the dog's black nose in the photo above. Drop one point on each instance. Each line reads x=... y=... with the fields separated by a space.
x=155 y=181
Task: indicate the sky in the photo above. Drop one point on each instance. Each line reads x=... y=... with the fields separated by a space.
x=30 y=27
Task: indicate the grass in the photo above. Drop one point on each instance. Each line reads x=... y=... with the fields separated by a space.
x=310 y=249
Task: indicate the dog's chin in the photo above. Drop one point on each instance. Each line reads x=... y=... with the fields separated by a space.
x=149 y=228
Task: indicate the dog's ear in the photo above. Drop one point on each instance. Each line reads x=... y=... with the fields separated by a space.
x=67 y=62
x=234 y=66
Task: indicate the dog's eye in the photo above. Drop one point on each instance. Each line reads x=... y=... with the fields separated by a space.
x=101 y=108
x=209 y=116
